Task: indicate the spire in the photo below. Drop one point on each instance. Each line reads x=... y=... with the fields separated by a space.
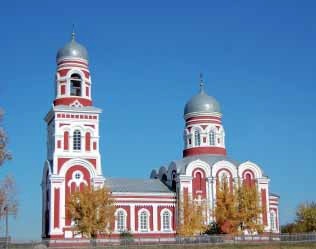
x=201 y=83
x=73 y=33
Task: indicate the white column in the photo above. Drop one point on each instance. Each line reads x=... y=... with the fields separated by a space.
x=56 y=183
x=62 y=203
x=155 y=218
x=132 y=217
x=209 y=198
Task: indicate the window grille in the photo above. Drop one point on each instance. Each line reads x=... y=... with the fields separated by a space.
x=77 y=140
x=166 y=220
x=197 y=138
x=143 y=221
x=121 y=221
x=212 y=138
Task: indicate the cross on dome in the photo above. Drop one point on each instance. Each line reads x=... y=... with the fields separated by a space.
x=73 y=34
x=201 y=83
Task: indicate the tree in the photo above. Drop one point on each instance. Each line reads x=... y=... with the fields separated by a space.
x=192 y=216
x=305 y=220
x=249 y=209
x=212 y=228
x=8 y=196
x=226 y=209
x=4 y=154
x=289 y=228
x=92 y=211
x=306 y=217
x=8 y=201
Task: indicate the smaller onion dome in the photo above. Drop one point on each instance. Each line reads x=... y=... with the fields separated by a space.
x=202 y=103
x=72 y=49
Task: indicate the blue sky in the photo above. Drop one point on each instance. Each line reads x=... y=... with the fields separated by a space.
x=257 y=57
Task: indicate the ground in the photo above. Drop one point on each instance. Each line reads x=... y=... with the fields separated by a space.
x=188 y=246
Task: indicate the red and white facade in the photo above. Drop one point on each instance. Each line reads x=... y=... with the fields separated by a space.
x=146 y=208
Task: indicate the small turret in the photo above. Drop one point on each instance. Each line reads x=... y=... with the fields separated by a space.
x=203 y=133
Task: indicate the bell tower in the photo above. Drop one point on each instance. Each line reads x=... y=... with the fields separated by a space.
x=73 y=82
x=73 y=157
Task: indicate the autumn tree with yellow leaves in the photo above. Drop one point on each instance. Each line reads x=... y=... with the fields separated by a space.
x=226 y=209
x=238 y=208
x=249 y=208
x=92 y=211
x=192 y=216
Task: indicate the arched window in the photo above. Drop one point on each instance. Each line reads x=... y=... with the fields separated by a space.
x=272 y=220
x=197 y=138
x=121 y=224
x=248 y=179
x=75 y=84
x=166 y=221
x=77 y=140
x=143 y=221
x=224 y=180
x=212 y=138
x=198 y=179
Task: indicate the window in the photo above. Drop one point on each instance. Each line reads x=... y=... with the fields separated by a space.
x=75 y=85
x=143 y=221
x=166 y=220
x=198 y=179
x=121 y=221
x=248 y=180
x=197 y=138
x=272 y=220
x=77 y=140
x=77 y=176
x=212 y=138
x=224 y=177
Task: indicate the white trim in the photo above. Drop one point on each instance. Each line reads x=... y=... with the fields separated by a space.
x=139 y=220
x=124 y=221
x=195 y=114
x=198 y=164
x=119 y=194
x=75 y=180
x=250 y=166
x=77 y=161
x=161 y=220
x=223 y=164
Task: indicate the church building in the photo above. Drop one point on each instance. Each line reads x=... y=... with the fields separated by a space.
x=146 y=208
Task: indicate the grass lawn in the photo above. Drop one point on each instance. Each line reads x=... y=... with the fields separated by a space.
x=184 y=246
x=237 y=246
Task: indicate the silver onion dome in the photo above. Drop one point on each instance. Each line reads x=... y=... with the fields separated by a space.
x=202 y=103
x=72 y=49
